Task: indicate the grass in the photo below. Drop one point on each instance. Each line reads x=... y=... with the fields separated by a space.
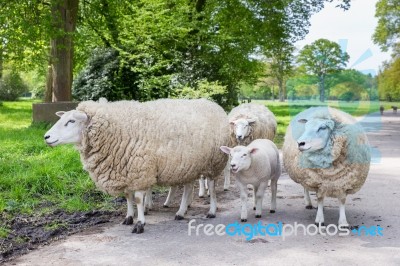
x=35 y=178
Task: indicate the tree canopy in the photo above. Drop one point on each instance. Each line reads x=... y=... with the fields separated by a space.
x=321 y=58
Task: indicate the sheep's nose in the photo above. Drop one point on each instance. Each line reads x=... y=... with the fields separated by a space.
x=233 y=165
x=301 y=144
x=47 y=136
x=239 y=136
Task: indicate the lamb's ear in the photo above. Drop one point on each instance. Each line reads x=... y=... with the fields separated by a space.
x=330 y=124
x=251 y=120
x=302 y=121
x=225 y=149
x=81 y=116
x=60 y=113
x=253 y=150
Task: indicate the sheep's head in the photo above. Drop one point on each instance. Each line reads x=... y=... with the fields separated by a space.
x=316 y=134
x=67 y=129
x=240 y=157
x=242 y=127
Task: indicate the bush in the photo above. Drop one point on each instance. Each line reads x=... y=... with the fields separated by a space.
x=12 y=86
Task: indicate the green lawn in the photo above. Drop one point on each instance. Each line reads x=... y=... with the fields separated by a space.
x=35 y=177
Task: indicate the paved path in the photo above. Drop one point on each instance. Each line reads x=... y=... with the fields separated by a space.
x=166 y=242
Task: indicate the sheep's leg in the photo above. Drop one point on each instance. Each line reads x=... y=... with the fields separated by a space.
x=131 y=211
x=243 y=200
x=202 y=187
x=274 y=189
x=319 y=220
x=307 y=199
x=259 y=194
x=148 y=201
x=191 y=196
x=139 y=199
x=171 y=196
x=342 y=214
x=213 y=198
x=187 y=190
x=227 y=175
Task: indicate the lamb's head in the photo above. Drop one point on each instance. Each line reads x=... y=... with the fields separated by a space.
x=316 y=134
x=240 y=157
x=67 y=129
x=242 y=127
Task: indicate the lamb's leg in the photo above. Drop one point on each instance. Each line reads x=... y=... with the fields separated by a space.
x=243 y=200
x=191 y=196
x=148 y=201
x=274 y=189
x=307 y=199
x=131 y=211
x=187 y=190
x=320 y=212
x=171 y=196
x=227 y=176
x=213 y=198
x=342 y=214
x=259 y=194
x=202 y=187
x=139 y=199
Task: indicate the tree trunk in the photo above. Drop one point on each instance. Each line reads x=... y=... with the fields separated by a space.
x=48 y=96
x=281 y=90
x=322 y=88
x=64 y=15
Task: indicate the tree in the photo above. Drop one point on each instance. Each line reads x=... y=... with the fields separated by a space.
x=387 y=32
x=321 y=58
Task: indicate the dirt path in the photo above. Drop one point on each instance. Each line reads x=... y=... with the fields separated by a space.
x=166 y=242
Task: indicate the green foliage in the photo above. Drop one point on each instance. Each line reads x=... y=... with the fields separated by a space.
x=389 y=81
x=387 y=32
x=204 y=89
x=321 y=58
x=12 y=86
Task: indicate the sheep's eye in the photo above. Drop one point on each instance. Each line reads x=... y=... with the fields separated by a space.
x=322 y=128
x=245 y=154
x=69 y=121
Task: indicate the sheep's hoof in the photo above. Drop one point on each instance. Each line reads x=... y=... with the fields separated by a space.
x=258 y=216
x=309 y=207
x=319 y=224
x=254 y=208
x=178 y=217
x=271 y=211
x=165 y=206
x=146 y=212
x=128 y=220
x=201 y=197
x=243 y=220
x=225 y=189
x=138 y=228
x=188 y=206
x=210 y=215
x=346 y=227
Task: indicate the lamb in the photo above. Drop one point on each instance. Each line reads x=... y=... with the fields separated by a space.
x=248 y=122
x=255 y=165
x=127 y=147
x=327 y=151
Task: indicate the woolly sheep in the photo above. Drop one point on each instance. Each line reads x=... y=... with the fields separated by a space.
x=255 y=165
x=248 y=121
x=128 y=146
x=326 y=151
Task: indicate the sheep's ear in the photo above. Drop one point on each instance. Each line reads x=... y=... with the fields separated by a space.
x=251 y=120
x=80 y=116
x=253 y=150
x=60 y=113
x=102 y=100
x=303 y=121
x=232 y=123
x=225 y=149
x=330 y=124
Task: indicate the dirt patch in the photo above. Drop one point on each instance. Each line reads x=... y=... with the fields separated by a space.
x=28 y=232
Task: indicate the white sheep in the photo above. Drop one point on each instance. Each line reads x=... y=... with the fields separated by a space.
x=327 y=151
x=255 y=165
x=248 y=122
x=127 y=147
